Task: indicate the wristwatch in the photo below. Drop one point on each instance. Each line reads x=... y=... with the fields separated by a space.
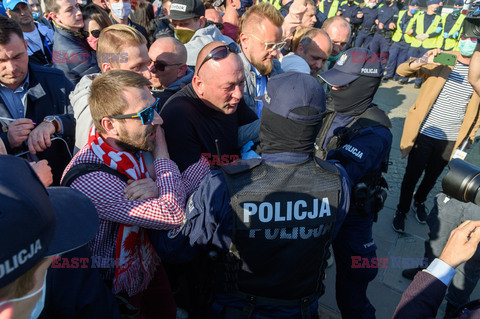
x=54 y=120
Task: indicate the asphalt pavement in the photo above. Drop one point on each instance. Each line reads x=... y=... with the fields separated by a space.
x=398 y=251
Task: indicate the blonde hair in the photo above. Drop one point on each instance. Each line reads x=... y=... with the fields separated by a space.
x=22 y=285
x=113 y=39
x=256 y=14
x=111 y=104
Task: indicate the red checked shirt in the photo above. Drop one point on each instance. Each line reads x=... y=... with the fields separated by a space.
x=106 y=193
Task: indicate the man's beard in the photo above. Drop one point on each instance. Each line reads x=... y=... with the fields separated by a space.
x=262 y=68
x=133 y=144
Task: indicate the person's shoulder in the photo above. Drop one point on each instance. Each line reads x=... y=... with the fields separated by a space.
x=183 y=101
x=51 y=74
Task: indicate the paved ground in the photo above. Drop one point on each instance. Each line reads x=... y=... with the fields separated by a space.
x=404 y=250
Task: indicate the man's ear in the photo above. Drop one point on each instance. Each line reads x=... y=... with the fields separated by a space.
x=109 y=126
x=299 y=50
x=106 y=67
x=202 y=21
x=55 y=18
x=8 y=13
x=243 y=41
x=199 y=85
x=182 y=70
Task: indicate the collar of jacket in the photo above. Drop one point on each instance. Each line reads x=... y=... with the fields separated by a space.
x=74 y=33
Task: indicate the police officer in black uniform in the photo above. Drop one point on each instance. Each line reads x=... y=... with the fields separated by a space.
x=356 y=133
x=366 y=29
x=353 y=14
x=268 y=223
x=386 y=24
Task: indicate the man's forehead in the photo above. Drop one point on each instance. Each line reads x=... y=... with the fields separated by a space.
x=66 y=3
x=14 y=46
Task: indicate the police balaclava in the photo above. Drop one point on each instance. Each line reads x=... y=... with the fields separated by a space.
x=291 y=114
x=357 y=97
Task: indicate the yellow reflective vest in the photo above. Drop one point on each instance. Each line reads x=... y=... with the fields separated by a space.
x=397 y=36
x=451 y=44
x=333 y=8
x=429 y=43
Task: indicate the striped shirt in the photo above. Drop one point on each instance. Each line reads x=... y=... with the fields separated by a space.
x=445 y=118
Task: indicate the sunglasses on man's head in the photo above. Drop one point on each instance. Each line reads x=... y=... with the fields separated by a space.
x=95 y=33
x=220 y=52
x=146 y=115
x=160 y=66
x=217 y=24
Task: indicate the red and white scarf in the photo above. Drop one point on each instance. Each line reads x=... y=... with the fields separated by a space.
x=136 y=259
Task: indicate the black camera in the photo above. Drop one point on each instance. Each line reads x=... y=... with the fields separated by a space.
x=471 y=24
x=462 y=182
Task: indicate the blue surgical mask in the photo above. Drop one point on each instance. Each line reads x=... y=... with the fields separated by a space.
x=36 y=15
x=413 y=11
x=467 y=47
x=121 y=10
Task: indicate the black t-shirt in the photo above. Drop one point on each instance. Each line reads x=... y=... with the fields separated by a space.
x=191 y=128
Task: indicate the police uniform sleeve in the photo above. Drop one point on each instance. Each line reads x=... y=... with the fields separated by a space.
x=344 y=199
x=364 y=152
x=207 y=224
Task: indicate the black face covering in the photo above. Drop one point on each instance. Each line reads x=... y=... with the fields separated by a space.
x=297 y=137
x=357 y=97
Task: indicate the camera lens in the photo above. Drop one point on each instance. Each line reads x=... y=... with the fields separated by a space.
x=462 y=181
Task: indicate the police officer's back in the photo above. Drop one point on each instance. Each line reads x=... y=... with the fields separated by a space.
x=270 y=222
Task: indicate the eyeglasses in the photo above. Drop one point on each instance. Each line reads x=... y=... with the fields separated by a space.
x=160 y=66
x=219 y=53
x=95 y=33
x=145 y=115
x=217 y=24
x=271 y=46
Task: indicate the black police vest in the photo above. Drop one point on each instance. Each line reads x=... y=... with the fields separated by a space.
x=282 y=227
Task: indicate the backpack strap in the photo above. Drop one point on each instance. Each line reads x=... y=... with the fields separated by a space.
x=85 y=168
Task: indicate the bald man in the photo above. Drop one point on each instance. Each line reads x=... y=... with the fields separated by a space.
x=338 y=29
x=210 y=108
x=169 y=72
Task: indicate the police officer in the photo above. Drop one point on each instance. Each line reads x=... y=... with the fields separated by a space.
x=329 y=8
x=427 y=30
x=452 y=27
x=386 y=23
x=354 y=15
x=366 y=29
x=400 y=49
x=267 y=224
x=356 y=134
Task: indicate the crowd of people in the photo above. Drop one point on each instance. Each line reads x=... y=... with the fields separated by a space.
x=189 y=159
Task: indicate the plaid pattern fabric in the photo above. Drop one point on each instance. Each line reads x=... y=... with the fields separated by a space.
x=106 y=193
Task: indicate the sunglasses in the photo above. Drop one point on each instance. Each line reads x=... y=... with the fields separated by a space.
x=95 y=33
x=217 y=24
x=160 y=66
x=271 y=46
x=219 y=53
x=145 y=115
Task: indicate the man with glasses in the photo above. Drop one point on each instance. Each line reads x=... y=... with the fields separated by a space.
x=204 y=116
x=132 y=198
x=169 y=69
x=39 y=37
x=260 y=39
x=119 y=47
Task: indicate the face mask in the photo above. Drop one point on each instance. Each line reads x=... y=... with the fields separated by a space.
x=467 y=47
x=350 y=2
x=92 y=41
x=371 y=5
x=184 y=35
x=84 y=2
x=40 y=303
x=413 y=11
x=245 y=4
x=334 y=58
x=357 y=97
x=388 y=3
x=36 y=15
x=121 y=10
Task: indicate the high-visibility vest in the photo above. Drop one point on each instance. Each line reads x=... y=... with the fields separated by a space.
x=333 y=8
x=276 y=3
x=429 y=43
x=450 y=44
x=397 y=36
x=345 y=2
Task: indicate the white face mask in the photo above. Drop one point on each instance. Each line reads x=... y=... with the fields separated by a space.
x=121 y=9
x=40 y=303
x=371 y=5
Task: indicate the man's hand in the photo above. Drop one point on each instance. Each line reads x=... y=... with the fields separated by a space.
x=421 y=37
x=39 y=138
x=392 y=26
x=160 y=149
x=409 y=32
x=141 y=190
x=462 y=243
x=44 y=172
x=426 y=58
x=348 y=19
x=18 y=131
